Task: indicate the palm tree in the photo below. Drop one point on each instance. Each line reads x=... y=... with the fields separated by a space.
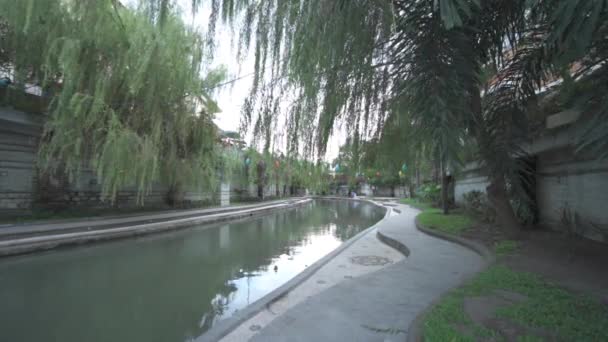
x=439 y=56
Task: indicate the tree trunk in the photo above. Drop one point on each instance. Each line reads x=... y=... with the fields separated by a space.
x=497 y=190
x=261 y=168
x=175 y=195
x=412 y=190
x=444 y=191
x=498 y=197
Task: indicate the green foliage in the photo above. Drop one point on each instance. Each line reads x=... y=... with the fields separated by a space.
x=476 y=203
x=404 y=74
x=429 y=192
x=570 y=316
x=128 y=100
x=277 y=169
x=454 y=223
x=5 y=54
x=419 y=67
x=331 y=69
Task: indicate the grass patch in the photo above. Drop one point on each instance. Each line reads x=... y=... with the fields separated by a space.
x=416 y=203
x=570 y=316
x=454 y=223
x=506 y=247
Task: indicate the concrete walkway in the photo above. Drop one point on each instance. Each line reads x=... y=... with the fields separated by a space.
x=9 y=231
x=365 y=255
x=377 y=306
x=19 y=239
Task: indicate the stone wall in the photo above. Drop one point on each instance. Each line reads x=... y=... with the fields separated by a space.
x=570 y=183
x=23 y=186
x=471 y=178
x=384 y=191
x=19 y=134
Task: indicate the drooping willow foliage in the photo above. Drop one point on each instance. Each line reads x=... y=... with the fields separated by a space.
x=129 y=98
x=317 y=63
x=250 y=167
x=320 y=63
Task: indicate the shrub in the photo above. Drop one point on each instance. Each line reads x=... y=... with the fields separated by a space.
x=476 y=203
x=430 y=192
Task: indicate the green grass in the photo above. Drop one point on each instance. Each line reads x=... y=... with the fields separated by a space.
x=416 y=203
x=572 y=317
x=505 y=247
x=454 y=223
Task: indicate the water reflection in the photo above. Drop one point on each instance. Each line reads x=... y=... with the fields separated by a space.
x=170 y=287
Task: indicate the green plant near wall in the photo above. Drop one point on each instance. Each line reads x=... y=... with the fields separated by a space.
x=429 y=192
x=128 y=98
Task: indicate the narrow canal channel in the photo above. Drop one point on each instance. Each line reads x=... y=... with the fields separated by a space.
x=168 y=287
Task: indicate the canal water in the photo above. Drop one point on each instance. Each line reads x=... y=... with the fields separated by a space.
x=168 y=287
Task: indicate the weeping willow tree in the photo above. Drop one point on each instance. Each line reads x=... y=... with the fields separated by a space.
x=128 y=95
x=4 y=42
x=316 y=72
x=288 y=174
x=441 y=58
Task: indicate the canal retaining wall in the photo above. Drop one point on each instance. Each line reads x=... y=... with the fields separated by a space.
x=24 y=187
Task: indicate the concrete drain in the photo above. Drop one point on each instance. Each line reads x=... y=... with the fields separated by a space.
x=370 y=260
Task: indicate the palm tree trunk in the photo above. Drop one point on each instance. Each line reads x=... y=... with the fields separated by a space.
x=497 y=190
x=498 y=197
x=412 y=189
x=444 y=191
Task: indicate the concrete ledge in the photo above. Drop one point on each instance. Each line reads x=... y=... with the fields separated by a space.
x=394 y=243
x=415 y=329
x=13 y=231
x=223 y=327
x=478 y=248
x=45 y=242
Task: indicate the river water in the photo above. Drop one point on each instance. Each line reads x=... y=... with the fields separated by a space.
x=168 y=287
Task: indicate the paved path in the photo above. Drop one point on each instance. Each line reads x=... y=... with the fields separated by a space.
x=100 y=222
x=37 y=237
x=364 y=256
x=378 y=306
